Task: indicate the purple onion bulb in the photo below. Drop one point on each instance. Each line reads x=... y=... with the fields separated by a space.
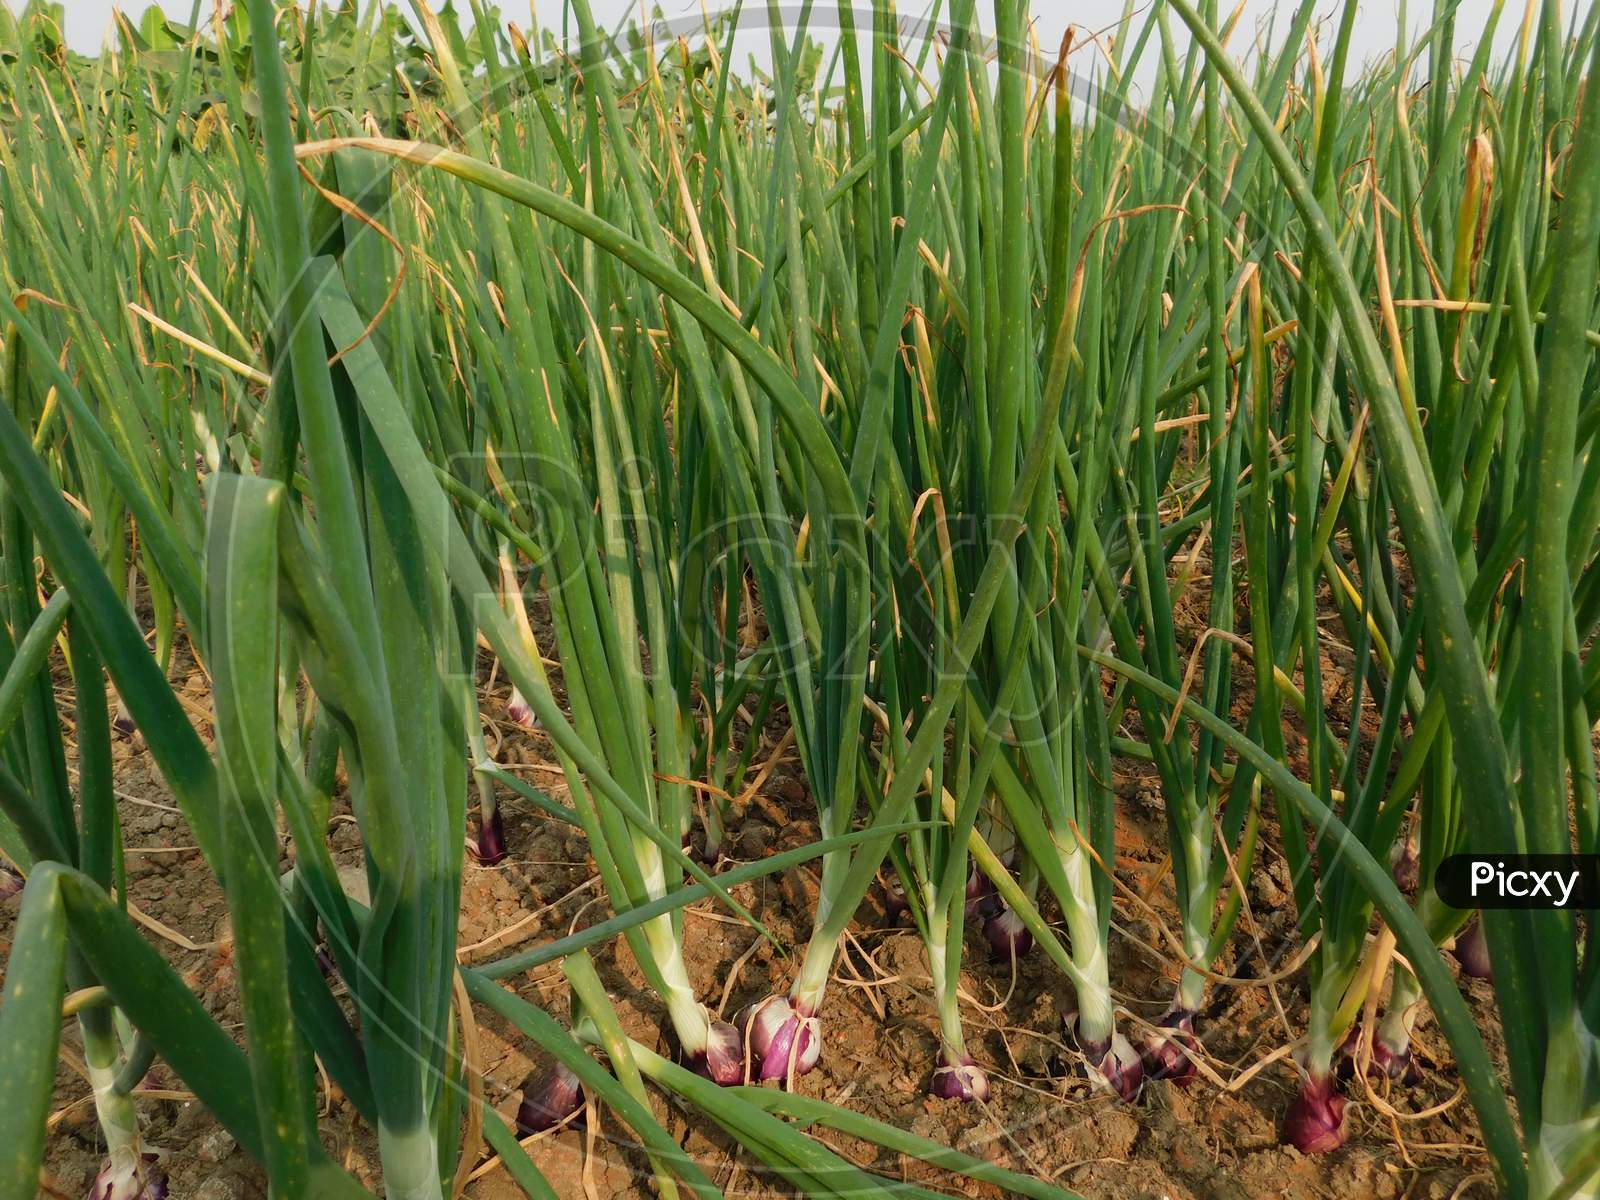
x=982 y=903
x=551 y=1097
x=130 y=1177
x=722 y=1061
x=1387 y=1062
x=1165 y=1046
x=894 y=903
x=491 y=848
x=520 y=713
x=957 y=1077
x=1008 y=936
x=1113 y=1061
x=776 y=1033
x=1315 y=1121
x=1397 y=1063
x=1405 y=865
x=1472 y=952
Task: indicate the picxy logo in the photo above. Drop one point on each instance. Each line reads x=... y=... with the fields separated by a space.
x=1567 y=882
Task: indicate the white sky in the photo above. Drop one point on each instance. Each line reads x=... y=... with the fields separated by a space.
x=88 y=21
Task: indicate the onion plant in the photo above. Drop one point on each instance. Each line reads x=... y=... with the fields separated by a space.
x=46 y=819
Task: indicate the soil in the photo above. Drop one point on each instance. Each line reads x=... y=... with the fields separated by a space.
x=1214 y=1140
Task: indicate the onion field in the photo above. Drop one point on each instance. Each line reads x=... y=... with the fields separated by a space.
x=800 y=600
